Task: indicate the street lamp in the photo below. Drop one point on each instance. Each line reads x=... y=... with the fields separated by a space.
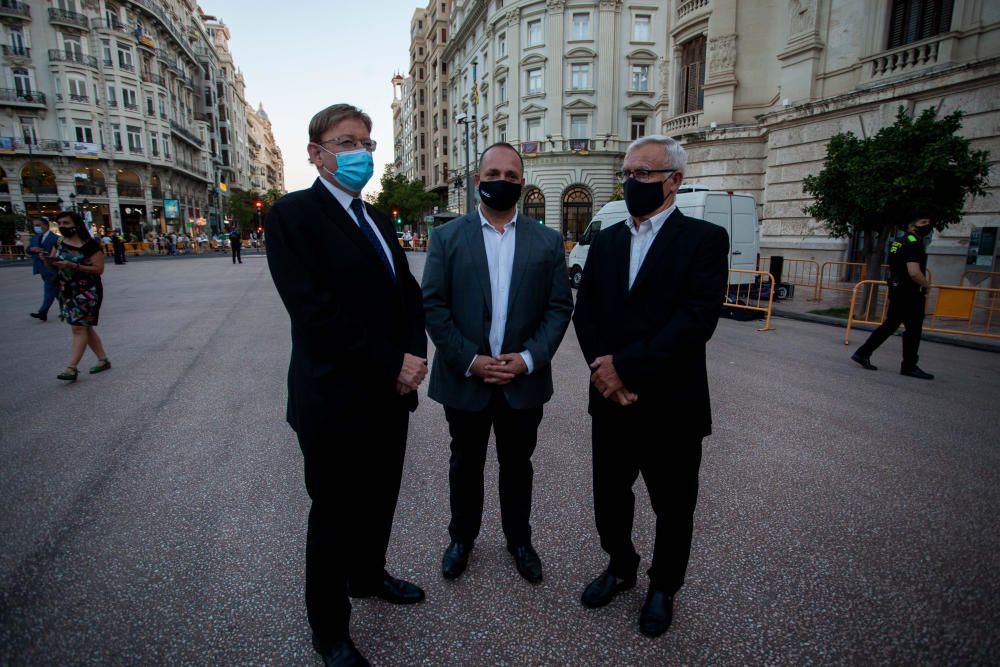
x=466 y=121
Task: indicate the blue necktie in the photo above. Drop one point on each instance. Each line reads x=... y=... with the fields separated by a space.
x=358 y=208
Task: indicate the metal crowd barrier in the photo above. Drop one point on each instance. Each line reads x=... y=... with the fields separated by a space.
x=15 y=252
x=744 y=292
x=992 y=276
x=839 y=277
x=799 y=272
x=950 y=309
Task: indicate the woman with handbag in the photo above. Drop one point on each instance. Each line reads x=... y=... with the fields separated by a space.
x=79 y=263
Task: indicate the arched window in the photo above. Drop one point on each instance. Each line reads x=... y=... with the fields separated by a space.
x=129 y=184
x=534 y=204
x=577 y=210
x=89 y=180
x=37 y=178
x=154 y=186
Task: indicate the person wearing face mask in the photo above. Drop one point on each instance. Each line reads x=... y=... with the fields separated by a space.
x=908 y=287
x=498 y=302
x=79 y=263
x=359 y=353
x=42 y=243
x=650 y=300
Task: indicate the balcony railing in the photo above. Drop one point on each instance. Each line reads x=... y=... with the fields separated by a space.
x=154 y=78
x=66 y=17
x=688 y=121
x=135 y=150
x=126 y=67
x=908 y=59
x=578 y=145
x=17 y=51
x=112 y=104
x=92 y=190
x=55 y=55
x=37 y=146
x=14 y=8
x=131 y=106
x=72 y=97
x=113 y=25
x=203 y=117
x=685 y=8
x=186 y=134
x=14 y=95
x=127 y=190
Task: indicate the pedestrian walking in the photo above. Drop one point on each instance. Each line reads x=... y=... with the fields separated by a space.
x=41 y=245
x=497 y=302
x=650 y=299
x=79 y=263
x=237 y=245
x=358 y=356
x=118 y=245
x=908 y=287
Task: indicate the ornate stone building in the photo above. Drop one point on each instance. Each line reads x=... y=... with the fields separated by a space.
x=753 y=89
x=110 y=106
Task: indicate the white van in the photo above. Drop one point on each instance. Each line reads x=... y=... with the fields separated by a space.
x=736 y=213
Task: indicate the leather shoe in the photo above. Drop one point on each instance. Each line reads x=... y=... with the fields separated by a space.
x=455 y=560
x=391 y=589
x=527 y=562
x=915 y=372
x=656 y=613
x=865 y=362
x=39 y=316
x=341 y=653
x=602 y=590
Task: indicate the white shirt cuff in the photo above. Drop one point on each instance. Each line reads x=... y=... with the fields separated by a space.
x=468 y=371
x=528 y=361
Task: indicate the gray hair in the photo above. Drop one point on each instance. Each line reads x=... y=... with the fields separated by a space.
x=674 y=154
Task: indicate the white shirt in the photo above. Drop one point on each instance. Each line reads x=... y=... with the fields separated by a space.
x=345 y=200
x=500 y=259
x=642 y=238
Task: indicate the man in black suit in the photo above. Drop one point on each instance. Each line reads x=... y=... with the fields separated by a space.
x=650 y=299
x=236 y=245
x=358 y=355
x=497 y=299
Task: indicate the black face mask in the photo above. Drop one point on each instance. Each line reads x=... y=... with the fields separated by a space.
x=68 y=231
x=499 y=195
x=642 y=198
x=923 y=232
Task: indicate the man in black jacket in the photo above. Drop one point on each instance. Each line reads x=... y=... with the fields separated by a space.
x=650 y=299
x=358 y=355
x=236 y=245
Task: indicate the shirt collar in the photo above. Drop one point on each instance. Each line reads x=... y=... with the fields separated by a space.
x=486 y=223
x=656 y=221
x=345 y=198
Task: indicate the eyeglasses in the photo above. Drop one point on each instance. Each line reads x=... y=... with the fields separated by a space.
x=641 y=175
x=350 y=143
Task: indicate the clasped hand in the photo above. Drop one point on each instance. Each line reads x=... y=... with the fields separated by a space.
x=605 y=379
x=499 y=370
x=412 y=373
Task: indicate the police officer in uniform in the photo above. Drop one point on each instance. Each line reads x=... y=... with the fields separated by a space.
x=908 y=287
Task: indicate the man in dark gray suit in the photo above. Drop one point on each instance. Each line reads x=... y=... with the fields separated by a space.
x=497 y=303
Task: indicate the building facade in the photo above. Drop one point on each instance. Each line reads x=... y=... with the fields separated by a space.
x=753 y=89
x=106 y=107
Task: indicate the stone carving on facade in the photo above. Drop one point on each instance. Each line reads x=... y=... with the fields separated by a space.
x=611 y=5
x=665 y=79
x=555 y=5
x=514 y=16
x=801 y=13
x=721 y=54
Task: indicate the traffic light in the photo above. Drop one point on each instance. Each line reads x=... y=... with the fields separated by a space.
x=396 y=217
x=258 y=204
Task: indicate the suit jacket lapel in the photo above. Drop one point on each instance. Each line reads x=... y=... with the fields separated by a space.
x=620 y=249
x=671 y=226
x=477 y=247
x=522 y=248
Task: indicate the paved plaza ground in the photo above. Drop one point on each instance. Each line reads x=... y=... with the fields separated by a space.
x=156 y=514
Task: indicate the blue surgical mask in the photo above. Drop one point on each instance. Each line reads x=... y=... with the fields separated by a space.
x=38 y=229
x=354 y=168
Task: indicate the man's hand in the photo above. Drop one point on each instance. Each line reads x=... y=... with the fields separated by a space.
x=412 y=373
x=492 y=371
x=402 y=389
x=605 y=379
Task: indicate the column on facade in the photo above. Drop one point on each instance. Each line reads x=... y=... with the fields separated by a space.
x=606 y=90
x=555 y=70
x=720 y=80
x=514 y=128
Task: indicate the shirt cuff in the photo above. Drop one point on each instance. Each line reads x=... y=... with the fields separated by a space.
x=468 y=371
x=528 y=361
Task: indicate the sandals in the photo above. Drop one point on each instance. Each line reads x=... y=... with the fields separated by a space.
x=70 y=374
x=102 y=365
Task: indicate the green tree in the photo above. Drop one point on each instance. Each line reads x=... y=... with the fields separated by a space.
x=618 y=192
x=408 y=197
x=241 y=206
x=874 y=185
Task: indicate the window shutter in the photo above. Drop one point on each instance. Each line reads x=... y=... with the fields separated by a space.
x=896 y=23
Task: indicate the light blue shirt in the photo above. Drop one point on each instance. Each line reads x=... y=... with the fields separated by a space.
x=345 y=200
x=642 y=238
x=500 y=259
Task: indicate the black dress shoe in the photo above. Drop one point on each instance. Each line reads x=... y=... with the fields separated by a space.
x=391 y=589
x=864 y=361
x=527 y=562
x=602 y=590
x=39 y=316
x=915 y=372
x=342 y=653
x=455 y=560
x=656 y=613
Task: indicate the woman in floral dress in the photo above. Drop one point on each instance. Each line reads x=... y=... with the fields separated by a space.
x=79 y=260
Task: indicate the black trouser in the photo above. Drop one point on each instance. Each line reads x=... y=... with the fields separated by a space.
x=353 y=477
x=906 y=307
x=119 y=251
x=625 y=443
x=236 y=252
x=516 y=436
